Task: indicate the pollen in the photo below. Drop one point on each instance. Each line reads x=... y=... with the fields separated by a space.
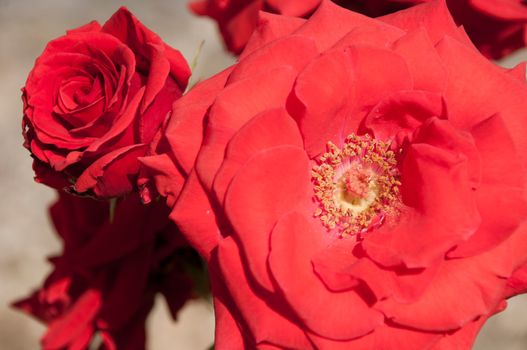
x=357 y=185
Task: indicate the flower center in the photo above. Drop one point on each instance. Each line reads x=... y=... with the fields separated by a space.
x=356 y=185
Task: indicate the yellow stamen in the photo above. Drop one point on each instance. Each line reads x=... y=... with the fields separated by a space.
x=356 y=185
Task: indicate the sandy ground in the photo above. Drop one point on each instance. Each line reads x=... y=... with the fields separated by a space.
x=25 y=234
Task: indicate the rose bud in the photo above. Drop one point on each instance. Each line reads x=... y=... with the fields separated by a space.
x=95 y=100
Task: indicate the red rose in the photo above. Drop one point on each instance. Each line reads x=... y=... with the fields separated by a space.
x=497 y=27
x=95 y=100
x=360 y=183
x=106 y=279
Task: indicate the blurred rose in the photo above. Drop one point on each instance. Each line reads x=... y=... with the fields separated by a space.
x=497 y=27
x=104 y=283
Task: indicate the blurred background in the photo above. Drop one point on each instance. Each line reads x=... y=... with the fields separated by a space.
x=26 y=238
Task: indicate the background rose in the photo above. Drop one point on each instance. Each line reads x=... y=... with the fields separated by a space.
x=248 y=206
x=104 y=283
x=95 y=100
x=496 y=27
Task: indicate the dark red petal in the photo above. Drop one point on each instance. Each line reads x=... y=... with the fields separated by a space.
x=127 y=289
x=127 y=28
x=114 y=174
x=121 y=124
x=294 y=8
x=156 y=115
x=433 y=16
x=83 y=340
x=157 y=75
x=65 y=329
x=336 y=22
x=134 y=224
x=238 y=28
x=512 y=10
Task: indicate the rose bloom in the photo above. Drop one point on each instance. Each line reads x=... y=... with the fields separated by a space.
x=496 y=27
x=95 y=100
x=354 y=183
x=104 y=283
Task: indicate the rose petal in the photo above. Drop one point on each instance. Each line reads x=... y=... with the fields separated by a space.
x=269 y=129
x=294 y=242
x=383 y=337
x=65 y=329
x=127 y=28
x=507 y=95
x=184 y=132
x=283 y=178
x=471 y=279
x=270 y=27
x=195 y=217
x=441 y=211
x=234 y=106
x=396 y=117
x=336 y=23
x=264 y=323
x=294 y=8
x=320 y=108
x=433 y=16
x=423 y=62
x=294 y=51
x=112 y=174
x=166 y=176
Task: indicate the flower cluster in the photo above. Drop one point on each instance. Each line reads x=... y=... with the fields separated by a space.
x=94 y=104
x=351 y=182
